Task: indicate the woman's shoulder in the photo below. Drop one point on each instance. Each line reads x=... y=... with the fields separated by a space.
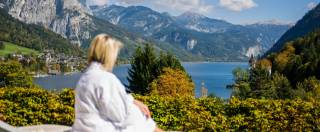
x=97 y=75
x=96 y=69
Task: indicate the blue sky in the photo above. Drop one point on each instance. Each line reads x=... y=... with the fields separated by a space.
x=234 y=11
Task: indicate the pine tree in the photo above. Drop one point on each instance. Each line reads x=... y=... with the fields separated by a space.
x=143 y=69
x=168 y=60
x=2 y=46
x=146 y=67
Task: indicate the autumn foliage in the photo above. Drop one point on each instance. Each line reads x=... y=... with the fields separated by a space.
x=172 y=82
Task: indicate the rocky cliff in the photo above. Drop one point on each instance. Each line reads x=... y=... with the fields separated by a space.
x=65 y=17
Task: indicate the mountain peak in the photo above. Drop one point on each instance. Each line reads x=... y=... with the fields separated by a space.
x=190 y=14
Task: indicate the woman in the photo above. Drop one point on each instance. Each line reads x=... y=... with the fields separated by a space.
x=101 y=103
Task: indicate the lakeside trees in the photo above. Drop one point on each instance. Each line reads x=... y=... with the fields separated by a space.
x=146 y=66
x=294 y=72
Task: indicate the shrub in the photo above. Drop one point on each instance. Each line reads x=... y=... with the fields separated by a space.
x=21 y=107
x=13 y=75
x=309 y=89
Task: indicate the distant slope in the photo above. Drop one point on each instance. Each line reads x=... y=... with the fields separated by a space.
x=299 y=59
x=10 y=48
x=309 y=23
x=33 y=36
x=267 y=34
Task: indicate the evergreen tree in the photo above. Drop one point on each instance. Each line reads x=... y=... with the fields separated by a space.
x=143 y=69
x=146 y=67
x=2 y=46
x=168 y=60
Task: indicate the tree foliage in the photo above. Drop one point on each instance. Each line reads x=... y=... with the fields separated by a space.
x=2 y=46
x=146 y=66
x=172 y=82
x=13 y=75
x=143 y=69
x=34 y=106
x=308 y=89
x=291 y=73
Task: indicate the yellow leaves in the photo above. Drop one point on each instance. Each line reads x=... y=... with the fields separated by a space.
x=181 y=113
x=282 y=59
x=172 y=83
x=264 y=64
x=31 y=106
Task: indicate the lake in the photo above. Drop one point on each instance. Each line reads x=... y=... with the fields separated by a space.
x=215 y=75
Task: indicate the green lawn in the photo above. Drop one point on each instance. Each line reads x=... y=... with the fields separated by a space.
x=12 y=48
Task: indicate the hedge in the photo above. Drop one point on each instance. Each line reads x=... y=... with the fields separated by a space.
x=21 y=107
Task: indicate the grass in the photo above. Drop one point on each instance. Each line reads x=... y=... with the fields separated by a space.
x=12 y=48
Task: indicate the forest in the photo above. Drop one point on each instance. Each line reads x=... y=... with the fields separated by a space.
x=294 y=72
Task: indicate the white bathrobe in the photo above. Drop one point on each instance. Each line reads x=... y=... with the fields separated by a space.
x=102 y=105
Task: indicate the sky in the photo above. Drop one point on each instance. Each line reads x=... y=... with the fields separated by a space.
x=234 y=11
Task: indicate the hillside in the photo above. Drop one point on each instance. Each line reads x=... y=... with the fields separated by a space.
x=309 y=23
x=299 y=59
x=32 y=36
x=10 y=48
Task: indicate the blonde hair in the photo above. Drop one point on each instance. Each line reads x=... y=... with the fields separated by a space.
x=104 y=49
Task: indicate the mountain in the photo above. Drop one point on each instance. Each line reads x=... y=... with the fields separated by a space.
x=267 y=34
x=69 y=18
x=138 y=19
x=201 y=23
x=309 y=23
x=190 y=36
x=74 y=21
x=33 y=36
x=216 y=40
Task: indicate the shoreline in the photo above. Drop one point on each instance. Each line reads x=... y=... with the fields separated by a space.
x=48 y=75
x=200 y=62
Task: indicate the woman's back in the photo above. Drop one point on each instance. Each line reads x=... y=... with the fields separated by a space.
x=101 y=102
x=103 y=105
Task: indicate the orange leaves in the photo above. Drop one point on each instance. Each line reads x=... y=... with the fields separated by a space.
x=172 y=83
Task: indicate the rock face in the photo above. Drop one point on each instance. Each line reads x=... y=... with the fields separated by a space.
x=138 y=19
x=65 y=17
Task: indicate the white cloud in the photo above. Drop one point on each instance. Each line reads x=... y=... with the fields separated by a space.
x=237 y=5
x=311 y=5
x=198 y=6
